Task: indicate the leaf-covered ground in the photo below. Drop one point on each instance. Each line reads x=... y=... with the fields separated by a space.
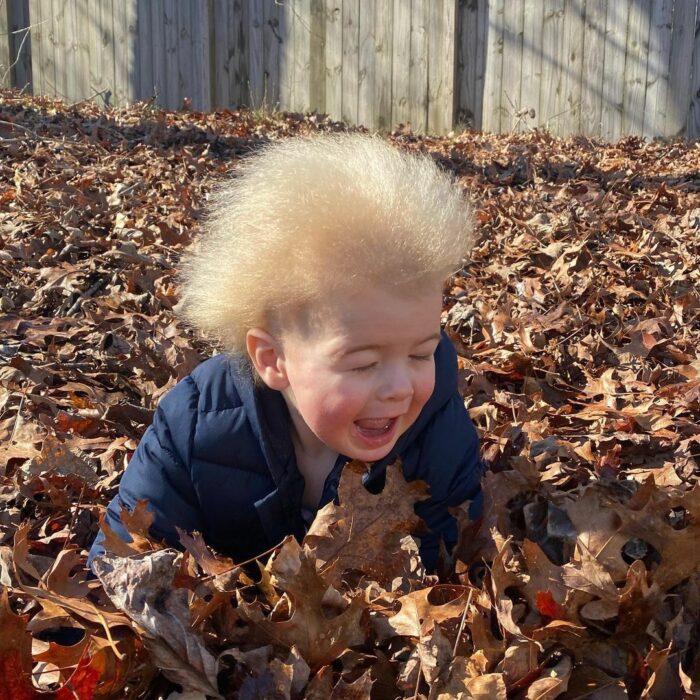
x=577 y=322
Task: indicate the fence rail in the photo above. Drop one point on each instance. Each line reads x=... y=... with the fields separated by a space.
x=602 y=68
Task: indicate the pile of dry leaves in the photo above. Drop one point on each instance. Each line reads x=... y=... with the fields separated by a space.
x=577 y=322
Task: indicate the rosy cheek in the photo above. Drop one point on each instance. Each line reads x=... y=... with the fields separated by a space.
x=427 y=389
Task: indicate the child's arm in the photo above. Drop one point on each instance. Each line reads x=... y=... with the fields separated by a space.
x=159 y=472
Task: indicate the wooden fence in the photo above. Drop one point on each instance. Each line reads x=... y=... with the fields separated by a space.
x=602 y=68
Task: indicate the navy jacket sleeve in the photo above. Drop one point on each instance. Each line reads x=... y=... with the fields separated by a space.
x=449 y=461
x=159 y=471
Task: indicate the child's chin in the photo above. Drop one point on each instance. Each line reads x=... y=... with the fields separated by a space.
x=370 y=455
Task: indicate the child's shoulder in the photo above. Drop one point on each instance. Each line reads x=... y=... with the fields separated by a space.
x=216 y=384
x=445 y=365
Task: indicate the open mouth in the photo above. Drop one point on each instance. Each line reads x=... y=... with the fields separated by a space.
x=376 y=431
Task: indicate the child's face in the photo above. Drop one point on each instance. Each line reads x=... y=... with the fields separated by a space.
x=362 y=369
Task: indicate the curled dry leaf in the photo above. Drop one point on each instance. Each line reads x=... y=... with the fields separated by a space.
x=142 y=586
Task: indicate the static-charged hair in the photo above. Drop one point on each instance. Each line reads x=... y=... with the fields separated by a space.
x=306 y=218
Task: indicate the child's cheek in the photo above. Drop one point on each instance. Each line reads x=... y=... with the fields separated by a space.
x=426 y=386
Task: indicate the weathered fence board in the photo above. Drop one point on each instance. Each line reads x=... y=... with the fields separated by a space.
x=604 y=68
x=552 y=95
x=494 y=66
x=366 y=105
x=614 y=75
x=694 y=111
x=636 y=63
x=15 y=44
x=661 y=24
x=383 y=66
x=5 y=47
x=512 y=65
x=683 y=41
x=531 y=65
x=592 y=67
x=472 y=31
x=401 y=68
x=317 y=66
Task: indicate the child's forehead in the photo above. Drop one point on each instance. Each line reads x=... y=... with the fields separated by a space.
x=374 y=316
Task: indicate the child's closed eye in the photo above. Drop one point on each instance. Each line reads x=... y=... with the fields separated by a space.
x=366 y=368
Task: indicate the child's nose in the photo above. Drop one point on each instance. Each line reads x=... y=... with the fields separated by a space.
x=396 y=384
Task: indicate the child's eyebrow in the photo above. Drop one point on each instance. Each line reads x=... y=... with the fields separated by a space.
x=360 y=348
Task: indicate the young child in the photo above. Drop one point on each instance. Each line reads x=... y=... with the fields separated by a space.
x=320 y=272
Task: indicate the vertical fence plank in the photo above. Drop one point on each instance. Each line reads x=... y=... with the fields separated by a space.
x=441 y=66
x=366 y=65
x=351 y=27
x=94 y=40
x=22 y=44
x=82 y=58
x=317 y=58
x=255 y=55
x=5 y=45
x=244 y=52
x=512 y=63
x=183 y=51
x=145 y=41
x=494 y=66
x=158 y=50
x=614 y=70
x=38 y=38
x=271 y=52
x=227 y=53
x=120 y=48
x=76 y=89
x=401 y=62
x=51 y=77
x=170 y=67
x=572 y=60
x=693 y=127
x=418 y=69
x=384 y=61
x=448 y=58
x=593 y=63
x=107 y=42
x=131 y=29
x=219 y=52
x=470 y=36
x=287 y=74
x=15 y=44
x=482 y=23
x=680 y=67
x=435 y=73
x=531 y=80
x=552 y=98
x=201 y=64
x=657 y=67
x=60 y=7
x=636 y=67
x=302 y=55
x=334 y=58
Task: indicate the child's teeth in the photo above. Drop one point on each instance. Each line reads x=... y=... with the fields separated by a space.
x=374 y=424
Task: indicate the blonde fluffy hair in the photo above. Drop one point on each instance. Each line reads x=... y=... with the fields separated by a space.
x=306 y=218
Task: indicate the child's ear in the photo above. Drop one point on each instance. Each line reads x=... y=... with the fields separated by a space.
x=266 y=354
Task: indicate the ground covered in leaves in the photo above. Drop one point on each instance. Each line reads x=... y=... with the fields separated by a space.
x=577 y=322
